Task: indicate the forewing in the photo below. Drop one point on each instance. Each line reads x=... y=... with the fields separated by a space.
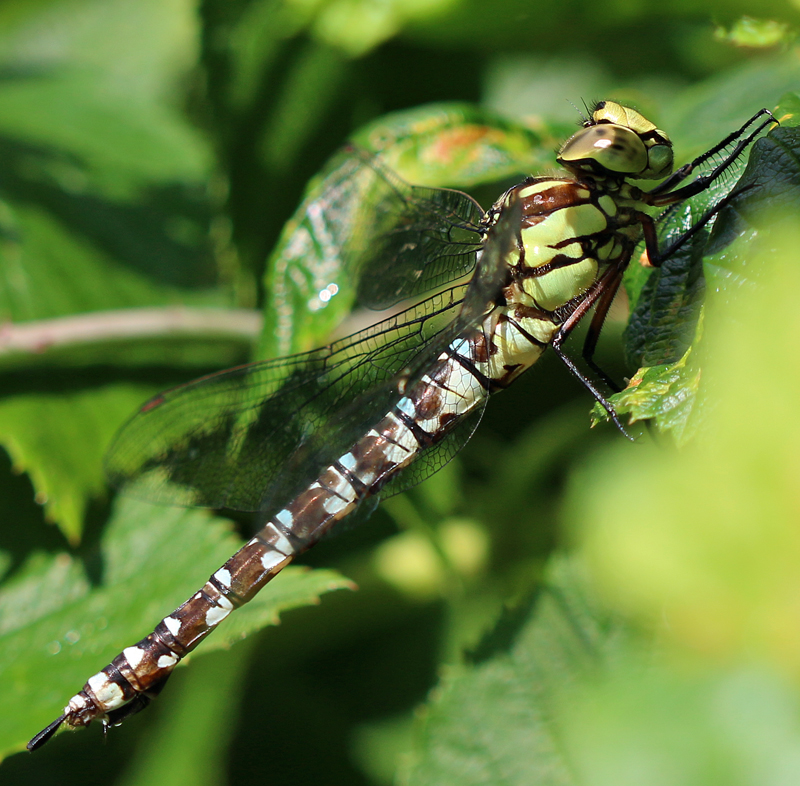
x=408 y=240
x=266 y=429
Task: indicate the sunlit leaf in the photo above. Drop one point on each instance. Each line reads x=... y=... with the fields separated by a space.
x=754 y=33
x=102 y=206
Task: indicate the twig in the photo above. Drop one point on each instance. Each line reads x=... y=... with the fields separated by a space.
x=39 y=336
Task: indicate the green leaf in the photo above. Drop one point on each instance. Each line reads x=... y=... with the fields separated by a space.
x=103 y=200
x=788 y=110
x=664 y=321
x=102 y=206
x=768 y=191
x=755 y=33
x=716 y=556
x=700 y=546
x=491 y=720
x=709 y=110
x=59 y=439
x=668 y=395
x=667 y=303
x=648 y=721
x=61 y=621
x=139 y=50
x=357 y=26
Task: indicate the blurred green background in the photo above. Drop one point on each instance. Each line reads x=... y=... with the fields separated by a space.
x=557 y=606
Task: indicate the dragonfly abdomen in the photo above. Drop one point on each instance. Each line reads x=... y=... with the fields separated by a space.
x=483 y=359
x=462 y=377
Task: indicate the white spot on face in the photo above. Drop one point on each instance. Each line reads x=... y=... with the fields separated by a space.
x=172 y=625
x=223 y=576
x=271 y=559
x=165 y=661
x=215 y=615
x=134 y=656
x=108 y=694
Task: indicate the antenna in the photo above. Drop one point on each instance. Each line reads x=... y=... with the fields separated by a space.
x=584 y=118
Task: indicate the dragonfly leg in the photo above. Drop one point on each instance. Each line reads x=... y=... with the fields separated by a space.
x=664 y=188
x=655 y=255
x=601 y=294
x=661 y=195
x=595 y=327
x=590 y=386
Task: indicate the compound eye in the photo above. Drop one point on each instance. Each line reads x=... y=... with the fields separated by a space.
x=660 y=161
x=615 y=148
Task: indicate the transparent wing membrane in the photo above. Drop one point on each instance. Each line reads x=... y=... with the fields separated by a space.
x=226 y=439
x=255 y=435
x=407 y=240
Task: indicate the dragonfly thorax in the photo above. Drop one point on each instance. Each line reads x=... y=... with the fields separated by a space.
x=618 y=142
x=570 y=230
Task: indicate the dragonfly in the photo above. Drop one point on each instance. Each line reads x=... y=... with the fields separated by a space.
x=314 y=439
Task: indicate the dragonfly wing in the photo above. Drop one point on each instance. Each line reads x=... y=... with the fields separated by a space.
x=227 y=439
x=250 y=435
x=404 y=241
x=492 y=273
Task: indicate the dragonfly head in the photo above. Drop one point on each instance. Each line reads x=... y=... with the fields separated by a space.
x=619 y=142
